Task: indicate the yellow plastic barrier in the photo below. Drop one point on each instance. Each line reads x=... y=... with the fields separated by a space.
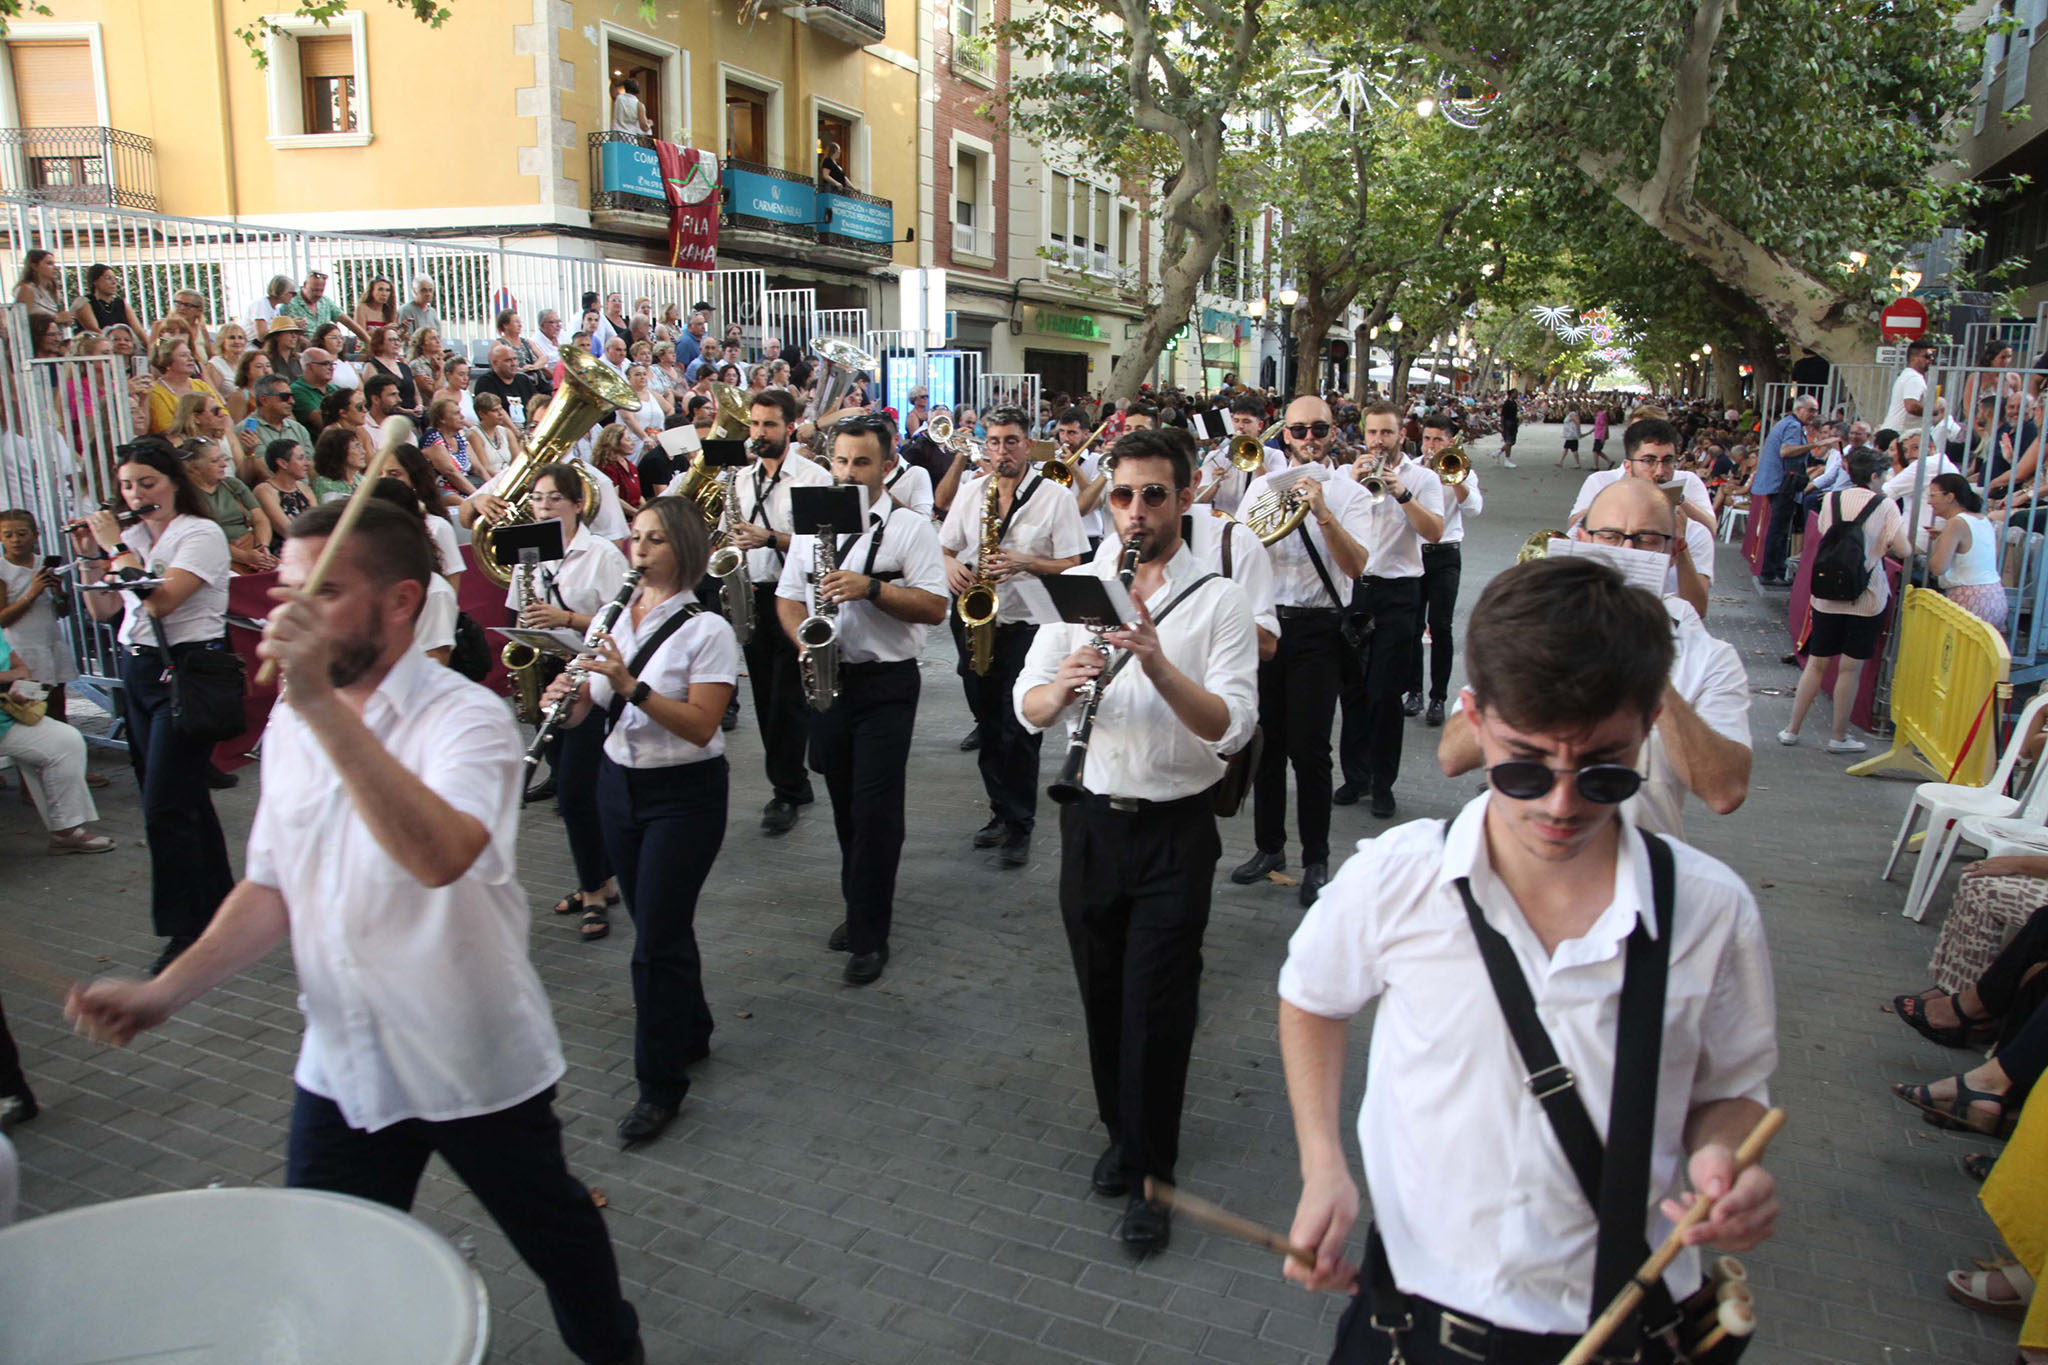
x=1946 y=693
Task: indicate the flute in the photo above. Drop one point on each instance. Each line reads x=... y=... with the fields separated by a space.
x=1068 y=788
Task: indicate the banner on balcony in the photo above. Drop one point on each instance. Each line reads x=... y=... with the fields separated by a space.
x=752 y=195
x=689 y=178
x=628 y=168
x=856 y=218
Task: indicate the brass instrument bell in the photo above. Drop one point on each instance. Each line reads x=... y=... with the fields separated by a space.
x=1452 y=465
x=1537 y=546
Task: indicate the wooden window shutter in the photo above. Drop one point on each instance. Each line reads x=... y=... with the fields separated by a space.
x=53 y=85
x=326 y=55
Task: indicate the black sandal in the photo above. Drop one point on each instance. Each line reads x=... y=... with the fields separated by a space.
x=1977 y=1166
x=596 y=924
x=1969 y=1033
x=570 y=904
x=1955 y=1114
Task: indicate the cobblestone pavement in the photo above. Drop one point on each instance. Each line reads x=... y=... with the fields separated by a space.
x=899 y=1174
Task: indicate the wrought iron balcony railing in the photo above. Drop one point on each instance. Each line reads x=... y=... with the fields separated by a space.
x=98 y=166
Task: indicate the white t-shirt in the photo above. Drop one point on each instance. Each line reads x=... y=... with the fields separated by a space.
x=435 y=626
x=627 y=114
x=1911 y=385
x=447 y=551
x=198 y=546
x=36 y=636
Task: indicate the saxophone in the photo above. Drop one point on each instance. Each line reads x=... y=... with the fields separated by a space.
x=817 y=635
x=729 y=566
x=978 y=606
x=600 y=624
x=522 y=661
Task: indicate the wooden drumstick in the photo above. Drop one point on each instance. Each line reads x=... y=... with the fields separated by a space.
x=395 y=432
x=1735 y=1318
x=1216 y=1219
x=1747 y=1155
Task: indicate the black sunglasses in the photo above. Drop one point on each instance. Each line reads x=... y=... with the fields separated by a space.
x=1301 y=431
x=1155 y=495
x=1604 y=784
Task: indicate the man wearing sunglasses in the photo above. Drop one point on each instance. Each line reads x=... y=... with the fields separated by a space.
x=1040 y=533
x=1701 y=740
x=1649 y=450
x=1485 y=1240
x=1138 y=852
x=1314 y=571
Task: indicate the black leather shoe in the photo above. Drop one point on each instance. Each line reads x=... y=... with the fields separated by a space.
x=973 y=740
x=1345 y=795
x=1313 y=875
x=778 y=816
x=1435 y=715
x=1016 y=848
x=837 y=941
x=1109 y=1178
x=1382 y=805
x=1146 y=1226
x=645 y=1122
x=1255 y=868
x=1411 y=705
x=806 y=799
x=544 y=790
x=731 y=718
x=17 y=1109
x=862 y=968
x=992 y=833
x=218 y=780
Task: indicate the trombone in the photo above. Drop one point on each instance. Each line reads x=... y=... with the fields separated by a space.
x=1060 y=469
x=1452 y=465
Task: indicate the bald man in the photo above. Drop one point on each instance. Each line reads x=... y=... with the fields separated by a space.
x=1700 y=743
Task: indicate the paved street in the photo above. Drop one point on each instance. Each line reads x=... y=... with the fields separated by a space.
x=899 y=1174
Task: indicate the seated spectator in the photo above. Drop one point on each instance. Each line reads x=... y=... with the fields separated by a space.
x=347 y=410
x=2001 y=1007
x=1909 y=470
x=424 y=355
x=455 y=385
x=265 y=310
x=271 y=419
x=284 y=343
x=547 y=341
x=177 y=374
x=516 y=388
x=445 y=443
x=649 y=419
x=288 y=490
x=328 y=337
x=420 y=315
x=231 y=505
x=240 y=393
x=187 y=317
x=494 y=441
x=610 y=456
x=1964 y=556
x=231 y=343
x=380 y=405
x=525 y=358
x=337 y=464
x=314 y=384
x=51 y=757
x=1848 y=630
x=312 y=307
x=104 y=305
x=382 y=358
x=377 y=308
x=39 y=287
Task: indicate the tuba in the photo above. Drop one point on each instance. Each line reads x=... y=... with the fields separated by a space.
x=978 y=606
x=841 y=364
x=730 y=404
x=590 y=389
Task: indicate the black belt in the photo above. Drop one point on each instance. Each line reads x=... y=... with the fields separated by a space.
x=1427 y=547
x=1477 y=1339
x=1306 y=613
x=1388 y=578
x=875 y=667
x=151 y=651
x=1131 y=804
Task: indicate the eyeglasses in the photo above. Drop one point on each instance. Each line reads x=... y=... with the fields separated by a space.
x=1655 y=461
x=1154 y=494
x=1635 y=540
x=1301 y=431
x=1604 y=784
x=540 y=499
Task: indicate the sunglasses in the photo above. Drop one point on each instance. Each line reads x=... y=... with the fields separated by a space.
x=1604 y=784
x=1154 y=494
x=1301 y=431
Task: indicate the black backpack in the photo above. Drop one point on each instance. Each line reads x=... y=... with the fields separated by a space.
x=1841 y=568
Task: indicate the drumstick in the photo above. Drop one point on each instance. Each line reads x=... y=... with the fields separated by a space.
x=1221 y=1220
x=1631 y=1294
x=395 y=432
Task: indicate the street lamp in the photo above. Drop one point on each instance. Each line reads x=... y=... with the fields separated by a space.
x=1695 y=357
x=1257 y=308
x=1289 y=296
x=1425 y=106
x=1706 y=349
x=1394 y=323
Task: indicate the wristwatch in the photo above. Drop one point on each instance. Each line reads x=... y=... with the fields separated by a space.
x=640 y=693
x=874 y=590
x=1403 y=497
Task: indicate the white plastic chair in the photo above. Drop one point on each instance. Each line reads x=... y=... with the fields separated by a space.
x=1734 y=518
x=1948 y=802
x=2016 y=837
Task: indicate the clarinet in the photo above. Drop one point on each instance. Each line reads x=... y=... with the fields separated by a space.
x=1068 y=788
x=558 y=714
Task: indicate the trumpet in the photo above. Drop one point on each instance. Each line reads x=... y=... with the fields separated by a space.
x=1452 y=465
x=1248 y=454
x=1068 y=788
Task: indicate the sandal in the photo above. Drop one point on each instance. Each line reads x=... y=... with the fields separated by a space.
x=1972 y=1289
x=1969 y=1033
x=1956 y=1114
x=569 y=904
x=1977 y=1166
x=596 y=924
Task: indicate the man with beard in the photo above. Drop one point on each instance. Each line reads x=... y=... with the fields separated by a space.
x=1226 y=483
x=385 y=847
x=890 y=584
x=761 y=527
x=1138 y=850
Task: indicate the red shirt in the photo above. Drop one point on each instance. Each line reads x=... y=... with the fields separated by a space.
x=626 y=478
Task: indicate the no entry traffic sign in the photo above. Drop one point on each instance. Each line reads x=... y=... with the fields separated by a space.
x=1903 y=319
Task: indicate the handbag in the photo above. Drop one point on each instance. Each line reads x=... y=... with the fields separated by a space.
x=208 y=688
x=23 y=712
x=471 y=656
x=1226 y=798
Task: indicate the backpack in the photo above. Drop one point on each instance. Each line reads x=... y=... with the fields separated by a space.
x=1841 y=569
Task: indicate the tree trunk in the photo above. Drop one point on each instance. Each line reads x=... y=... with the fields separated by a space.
x=1180 y=283
x=1312 y=322
x=1361 y=363
x=1397 y=361
x=1728 y=376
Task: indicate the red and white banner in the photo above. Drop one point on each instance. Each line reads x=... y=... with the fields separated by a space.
x=689 y=176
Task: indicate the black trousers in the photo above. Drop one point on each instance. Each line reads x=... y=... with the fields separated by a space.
x=575 y=767
x=1375 y=676
x=1134 y=896
x=1784 y=511
x=512 y=1162
x=189 y=874
x=12 y=1081
x=2012 y=991
x=778 y=699
x=1297 y=705
x=1008 y=756
x=1442 y=565
x=663 y=827
x=861 y=747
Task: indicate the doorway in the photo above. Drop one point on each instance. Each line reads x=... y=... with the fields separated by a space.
x=1058 y=371
x=746 y=123
x=833 y=130
x=644 y=70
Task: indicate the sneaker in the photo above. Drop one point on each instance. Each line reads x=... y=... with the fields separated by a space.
x=1787 y=738
x=1508 y=464
x=1847 y=746
x=80 y=840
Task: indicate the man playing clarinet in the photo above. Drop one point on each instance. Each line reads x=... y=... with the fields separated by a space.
x=1138 y=849
x=1646 y=958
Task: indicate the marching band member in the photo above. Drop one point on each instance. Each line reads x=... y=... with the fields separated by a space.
x=761 y=527
x=908 y=484
x=1540 y=890
x=607 y=523
x=1442 y=564
x=1649 y=450
x=1409 y=516
x=1138 y=852
x=1037 y=529
x=1314 y=570
x=658 y=684
x=384 y=847
x=1224 y=484
x=1070 y=446
x=567 y=594
x=890 y=585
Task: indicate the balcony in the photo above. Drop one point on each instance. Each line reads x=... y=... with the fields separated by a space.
x=102 y=167
x=858 y=22
x=768 y=201
x=856 y=222
x=625 y=185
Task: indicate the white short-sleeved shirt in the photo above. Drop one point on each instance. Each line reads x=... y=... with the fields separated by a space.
x=198 y=546
x=702 y=650
x=755 y=489
x=911 y=486
x=1708 y=673
x=1044 y=521
x=1295 y=580
x=1455 y=512
x=1699 y=541
x=420 y=1002
x=1204 y=533
x=609 y=523
x=1231 y=482
x=1477 y=1205
x=1394 y=547
x=906 y=554
x=1087 y=469
x=1910 y=386
x=447 y=550
x=589 y=574
x=434 y=628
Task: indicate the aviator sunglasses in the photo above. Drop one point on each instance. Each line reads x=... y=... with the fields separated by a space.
x=1154 y=494
x=1603 y=784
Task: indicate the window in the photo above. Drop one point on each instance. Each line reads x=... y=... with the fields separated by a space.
x=1078 y=225
x=1102 y=261
x=53 y=85
x=966 y=198
x=966 y=19
x=1056 y=213
x=746 y=123
x=970 y=53
x=644 y=69
x=317 y=81
x=328 y=67
x=834 y=130
x=1127 y=239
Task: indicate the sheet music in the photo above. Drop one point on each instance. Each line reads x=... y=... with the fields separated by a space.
x=1640 y=568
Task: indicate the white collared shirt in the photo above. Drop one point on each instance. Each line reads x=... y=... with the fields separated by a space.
x=1231 y=482
x=1899 y=487
x=589 y=574
x=1472 y=1194
x=1393 y=548
x=1250 y=568
x=1139 y=748
x=610 y=521
x=434 y=627
x=1455 y=512
x=1087 y=469
x=702 y=650
x=907 y=551
x=1045 y=521
x=198 y=546
x=911 y=486
x=753 y=485
x=1708 y=673
x=1295 y=580
x=1699 y=541
x=420 y=1002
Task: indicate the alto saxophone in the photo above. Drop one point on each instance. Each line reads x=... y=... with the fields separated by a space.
x=729 y=567
x=600 y=624
x=817 y=635
x=522 y=661
x=978 y=606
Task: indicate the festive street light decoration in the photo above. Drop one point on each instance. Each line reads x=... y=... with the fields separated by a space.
x=1464 y=99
